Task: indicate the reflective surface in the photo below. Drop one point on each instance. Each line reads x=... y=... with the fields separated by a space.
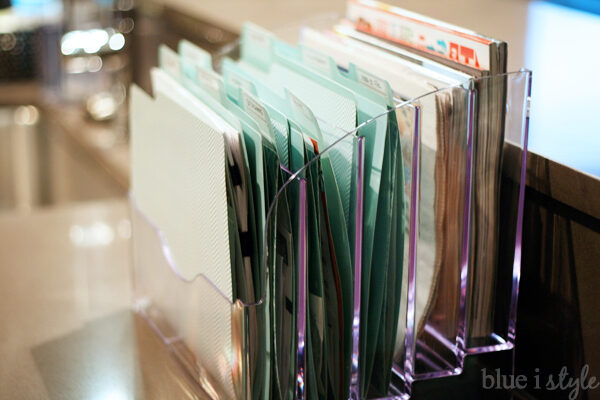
x=44 y=162
x=68 y=332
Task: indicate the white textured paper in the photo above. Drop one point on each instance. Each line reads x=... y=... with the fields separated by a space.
x=178 y=180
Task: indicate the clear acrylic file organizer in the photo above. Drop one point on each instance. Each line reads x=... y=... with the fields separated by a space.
x=243 y=349
x=441 y=268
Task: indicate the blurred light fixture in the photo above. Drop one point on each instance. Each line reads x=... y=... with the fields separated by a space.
x=76 y=65
x=26 y=115
x=116 y=42
x=94 y=64
x=124 y=229
x=7 y=41
x=96 y=38
x=91 y=41
x=94 y=235
x=124 y=5
x=126 y=25
x=102 y=106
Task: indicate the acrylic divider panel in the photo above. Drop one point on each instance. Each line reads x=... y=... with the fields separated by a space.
x=286 y=253
x=423 y=360
x=438 y=246
x=396 y=329
x=379 y=229
x=331 y=305
x=193 y=318
x=221 y=343
x=434 y=131
x=494 y=281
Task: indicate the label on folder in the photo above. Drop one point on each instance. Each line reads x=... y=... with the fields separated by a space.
x=419 y=32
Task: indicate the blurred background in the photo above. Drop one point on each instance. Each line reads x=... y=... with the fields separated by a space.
x=65 y=67
x=65 y=70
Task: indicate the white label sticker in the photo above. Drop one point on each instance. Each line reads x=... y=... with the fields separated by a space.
x=239 y=81
x=195 y=54
x=208 y=79
x=257 y=37
x=371 y=82
x=170 y=61
x=254 y=107
x=316 y=60
x=300 y=108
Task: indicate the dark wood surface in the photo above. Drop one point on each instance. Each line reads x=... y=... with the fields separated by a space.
x=559 y=307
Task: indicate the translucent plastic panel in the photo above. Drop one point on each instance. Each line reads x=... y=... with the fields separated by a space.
x=326 y=336
x=286 y=254
x=411 y=252
x=436 y=155
x=226 y=345
x=440 y=335
x=498 y=214
x=385 y=162
x=206 y=331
